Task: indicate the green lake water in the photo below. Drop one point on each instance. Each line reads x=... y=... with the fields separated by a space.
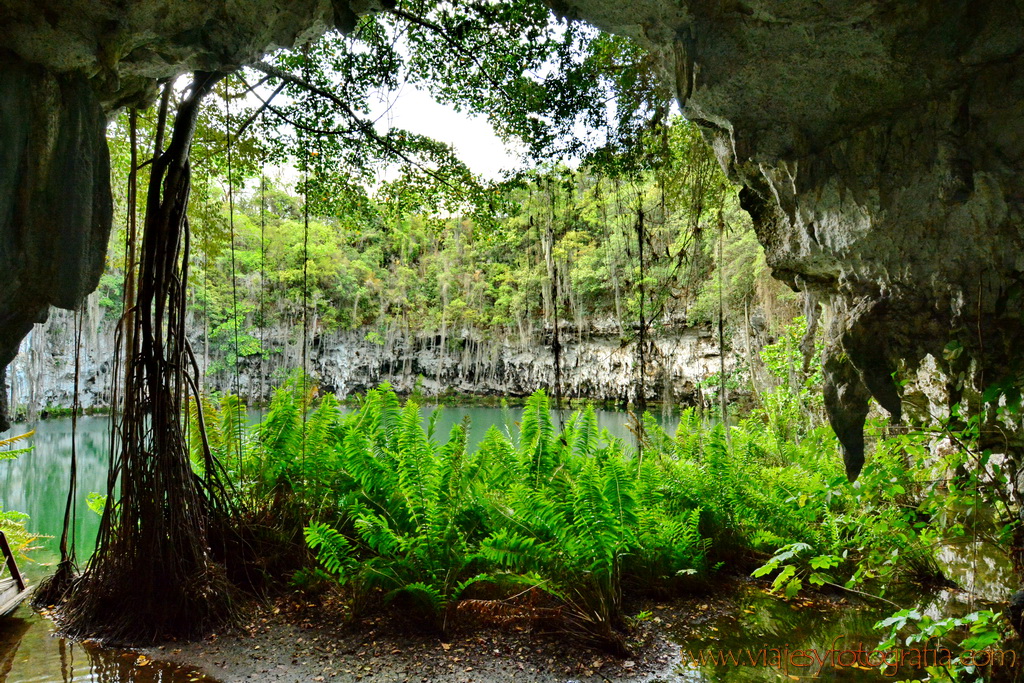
x=36 y=483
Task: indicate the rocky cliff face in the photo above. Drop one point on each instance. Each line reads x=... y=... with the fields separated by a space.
x=879 y=143
x=64 y=66
x=881 y=151
x=598 y=367
x=42 y=375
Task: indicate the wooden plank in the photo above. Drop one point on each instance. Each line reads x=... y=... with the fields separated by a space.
x=12 y=566
x=12 y=590
x=11 y=595
x=9 y=604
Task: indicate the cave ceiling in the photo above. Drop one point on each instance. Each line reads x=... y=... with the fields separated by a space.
x=879 y=145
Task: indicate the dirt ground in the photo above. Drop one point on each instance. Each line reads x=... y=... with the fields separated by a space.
x=292 y=640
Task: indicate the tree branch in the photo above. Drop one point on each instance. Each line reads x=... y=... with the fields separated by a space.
x=364 y=126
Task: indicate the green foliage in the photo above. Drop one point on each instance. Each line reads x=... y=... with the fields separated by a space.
x=406 y=503
x=886 y=526
x=966 y=646
x=568 y=511
x=96 y=502
x=394 y=514
x=794 y=406
x=400 y=515
x=7 y=452
x=13 y=523
x=389 y=510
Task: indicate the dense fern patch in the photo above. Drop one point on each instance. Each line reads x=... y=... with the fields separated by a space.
x=397 y=514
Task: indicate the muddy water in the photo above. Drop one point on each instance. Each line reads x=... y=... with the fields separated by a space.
x=29 y=653
x=759 y=637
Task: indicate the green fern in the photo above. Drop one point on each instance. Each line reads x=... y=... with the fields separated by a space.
x=333 y=550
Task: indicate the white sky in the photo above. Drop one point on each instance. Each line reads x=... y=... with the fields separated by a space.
x=473 y=138
x=415 y=110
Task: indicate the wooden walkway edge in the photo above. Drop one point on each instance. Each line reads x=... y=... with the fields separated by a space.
x=13 y=589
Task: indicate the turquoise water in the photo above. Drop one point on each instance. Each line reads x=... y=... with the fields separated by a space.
x=37 y=482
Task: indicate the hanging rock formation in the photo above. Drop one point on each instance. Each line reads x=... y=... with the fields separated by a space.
x=65 y=65
x=881 y=149
x=55 y=205
x=880 y=145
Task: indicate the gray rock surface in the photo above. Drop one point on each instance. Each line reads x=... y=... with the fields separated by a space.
x=55 y=203
x=598 y=366
x=125 y=48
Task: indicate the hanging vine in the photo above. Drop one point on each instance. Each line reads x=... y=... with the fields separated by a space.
x=552 y=265
x=52 y=589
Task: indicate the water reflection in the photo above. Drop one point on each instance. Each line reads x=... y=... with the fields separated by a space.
x=980 y=569
x=30 y=654
x=768 y=639
x=738 y=646
x=12 y=630
x=37 y=482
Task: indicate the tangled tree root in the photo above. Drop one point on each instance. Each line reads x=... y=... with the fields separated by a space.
x=154 y=575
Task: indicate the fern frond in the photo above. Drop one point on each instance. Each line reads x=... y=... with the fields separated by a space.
x=332 y=549
x=4 y=443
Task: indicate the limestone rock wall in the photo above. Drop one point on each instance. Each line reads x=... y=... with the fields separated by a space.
x=42 y=375
x=598 y=367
